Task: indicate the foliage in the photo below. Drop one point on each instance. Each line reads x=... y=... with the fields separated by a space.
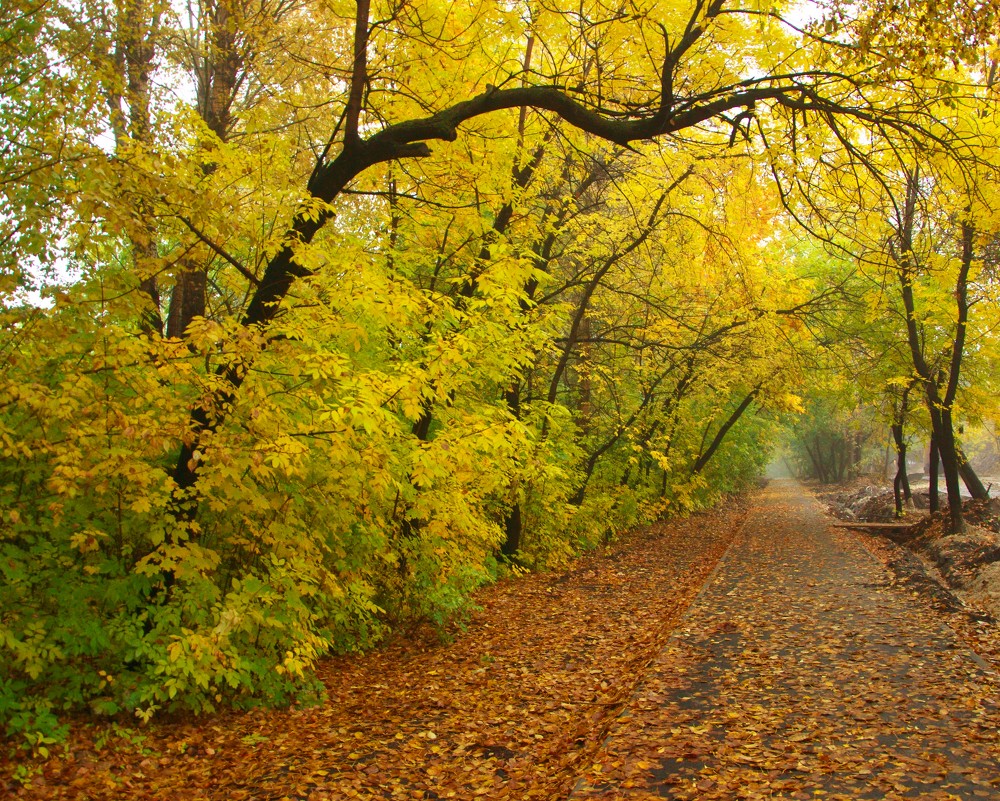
x=517 y=689
x=294 y=378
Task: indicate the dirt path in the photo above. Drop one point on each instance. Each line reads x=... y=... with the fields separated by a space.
x=801 y=672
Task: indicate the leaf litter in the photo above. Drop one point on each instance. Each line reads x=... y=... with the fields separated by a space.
x=514 y=706
x=803 y=672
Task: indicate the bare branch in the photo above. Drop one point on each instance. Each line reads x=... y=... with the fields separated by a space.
x=219 y=250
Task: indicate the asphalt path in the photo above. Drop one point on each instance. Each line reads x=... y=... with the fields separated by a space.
x=802 y=671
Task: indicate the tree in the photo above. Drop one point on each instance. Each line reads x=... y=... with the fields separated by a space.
x=308 y=378
x=663 y=114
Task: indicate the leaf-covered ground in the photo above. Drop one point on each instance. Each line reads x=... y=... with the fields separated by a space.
x=514 y=707
x=804 y=671
x=801 y=669
x=958 y=575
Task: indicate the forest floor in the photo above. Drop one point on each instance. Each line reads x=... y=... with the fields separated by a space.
x=793 y=666
x=513 y=706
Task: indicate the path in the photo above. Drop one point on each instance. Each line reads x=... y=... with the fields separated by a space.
x=799 y=672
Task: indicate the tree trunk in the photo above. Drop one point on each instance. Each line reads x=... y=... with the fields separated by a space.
x=584 y=410
x=857 y=453
x=900 y=481
x=939 y=404
x=934 y=504
x=817 y=463
x=838 y=457
x=512 y=522
x=720 y=435
x=626 y=475
x=187 y=301
x=134 y=57
x=512 y=527
x=972 y=481
x=217 y=82
x=944 y=436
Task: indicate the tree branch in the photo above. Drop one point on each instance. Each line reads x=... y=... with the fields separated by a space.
x=359 y=74
x=219 y=250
